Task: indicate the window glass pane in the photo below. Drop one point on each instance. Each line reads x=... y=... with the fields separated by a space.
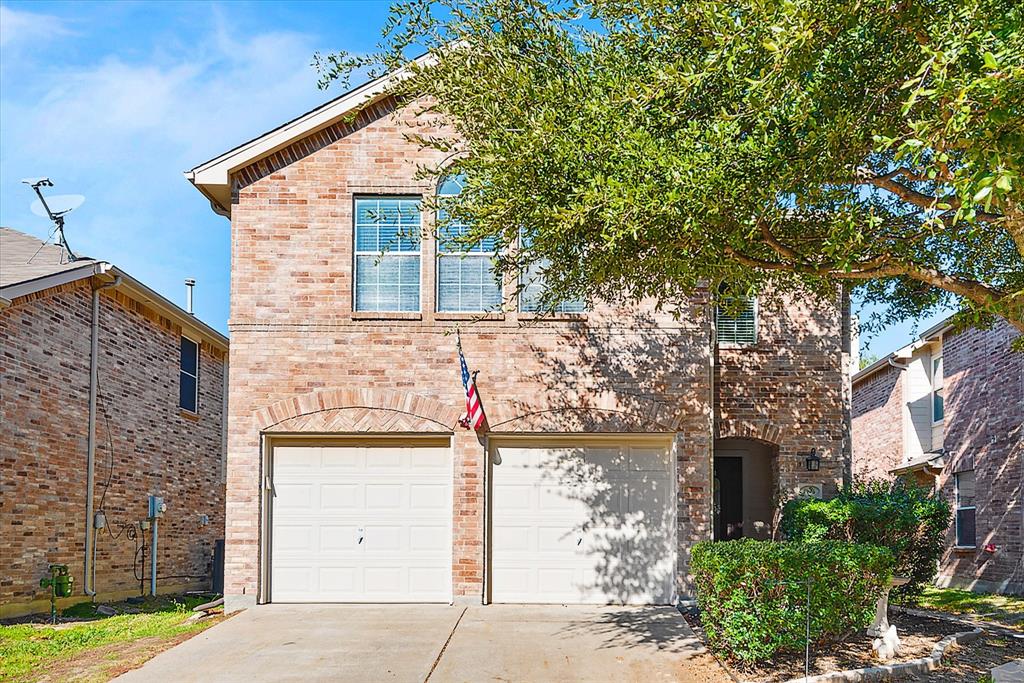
x=187 y=392
x=467 y=283
x=938 y=405
x=450 y=185
x=532 y=289
x=740 y=328
x=387 y=276
x=965 y=531
x=189 y=356
x=965 y=489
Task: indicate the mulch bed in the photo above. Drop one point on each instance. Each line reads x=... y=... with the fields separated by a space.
x=975 y=660
x=918 y=634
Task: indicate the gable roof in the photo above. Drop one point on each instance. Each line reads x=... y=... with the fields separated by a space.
x=933 y=333
x=24 y=258
x=29 y=265
x=213 y=177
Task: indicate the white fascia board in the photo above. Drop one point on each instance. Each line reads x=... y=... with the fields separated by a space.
x=217 y=171
x=27 y=287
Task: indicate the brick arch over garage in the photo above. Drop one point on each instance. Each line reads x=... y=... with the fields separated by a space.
x=358 y=410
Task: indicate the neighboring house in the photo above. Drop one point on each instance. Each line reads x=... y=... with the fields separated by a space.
x=948 y=411
x=349 y=476
x=158 y=429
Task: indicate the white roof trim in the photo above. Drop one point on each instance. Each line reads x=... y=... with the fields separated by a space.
x=212 y=178
x=930 y=335
x=132 y=287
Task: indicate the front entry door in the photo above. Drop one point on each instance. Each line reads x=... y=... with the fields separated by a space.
x=728 y=498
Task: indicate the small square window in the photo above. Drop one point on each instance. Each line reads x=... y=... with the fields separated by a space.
x=739 y=328
x=188 y=384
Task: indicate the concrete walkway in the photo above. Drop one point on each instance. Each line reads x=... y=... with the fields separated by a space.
x=442 y=644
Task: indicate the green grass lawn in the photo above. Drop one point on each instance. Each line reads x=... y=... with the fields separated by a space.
x=1001 y=608
x=87 y=650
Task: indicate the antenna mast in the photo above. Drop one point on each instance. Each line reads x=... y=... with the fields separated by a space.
x=70 y=202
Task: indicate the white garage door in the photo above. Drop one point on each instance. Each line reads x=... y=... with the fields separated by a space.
x=584 y=522
x=364 y=522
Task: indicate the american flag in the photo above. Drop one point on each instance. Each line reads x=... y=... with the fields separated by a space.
x=474 y=416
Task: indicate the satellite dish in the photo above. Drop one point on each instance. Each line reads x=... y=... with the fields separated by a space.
x=58 y=205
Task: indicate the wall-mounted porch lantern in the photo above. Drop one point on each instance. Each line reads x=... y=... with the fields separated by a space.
x=813 y=461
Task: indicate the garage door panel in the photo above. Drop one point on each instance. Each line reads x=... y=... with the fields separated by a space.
x=361 y=524
x=600 y=533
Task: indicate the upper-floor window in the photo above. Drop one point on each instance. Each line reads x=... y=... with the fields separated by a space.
x=188 y=384
x=965 y=534
x=938 y=392
x=466 y=280
x=737 y=325
x=532 y=287
x=387 y=249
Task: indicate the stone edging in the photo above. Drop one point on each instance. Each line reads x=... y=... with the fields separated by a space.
x=914 y=666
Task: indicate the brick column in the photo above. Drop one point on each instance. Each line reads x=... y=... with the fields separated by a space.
x=468 y=517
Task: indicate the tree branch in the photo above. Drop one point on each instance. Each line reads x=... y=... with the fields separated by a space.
x=885 y=181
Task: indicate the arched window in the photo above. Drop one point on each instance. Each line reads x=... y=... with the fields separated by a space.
x=466 y=281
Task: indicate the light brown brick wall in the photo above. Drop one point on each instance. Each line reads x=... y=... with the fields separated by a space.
x=984 y=431
x=44 y=366
x=301 y=360
x=878 y=423
x=787 y=391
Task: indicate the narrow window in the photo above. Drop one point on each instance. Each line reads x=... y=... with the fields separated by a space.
x=739 y=328
x=387 y=249
x=938 y=393
x=466 y=281
x=188 y=385
x=532 y=287
x=965 y=537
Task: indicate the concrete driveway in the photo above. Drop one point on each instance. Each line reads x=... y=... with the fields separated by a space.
x=438 y=643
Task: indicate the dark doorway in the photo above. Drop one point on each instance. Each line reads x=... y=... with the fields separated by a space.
x=728 y=498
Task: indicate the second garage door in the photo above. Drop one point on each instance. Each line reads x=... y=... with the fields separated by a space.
x=582 y=522
x=361 y=522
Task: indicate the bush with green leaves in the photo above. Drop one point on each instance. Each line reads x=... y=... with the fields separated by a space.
x=909 y=520
x=753 y=594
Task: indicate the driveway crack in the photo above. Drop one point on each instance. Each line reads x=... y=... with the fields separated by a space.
x=444 y=647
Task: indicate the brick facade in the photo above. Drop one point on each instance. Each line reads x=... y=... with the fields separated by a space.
x=985 y=432
x=303 y=361
x=982 y=430
x=156 y=448
x=878 y=423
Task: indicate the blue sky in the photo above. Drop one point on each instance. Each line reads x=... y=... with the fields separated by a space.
x=114 y=100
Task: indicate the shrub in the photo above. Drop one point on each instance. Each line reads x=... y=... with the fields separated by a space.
x=753 y=594
x=910 y=521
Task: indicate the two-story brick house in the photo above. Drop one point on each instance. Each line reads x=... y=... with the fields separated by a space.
x=947 y=411
x=97 y=367
x=349 y=476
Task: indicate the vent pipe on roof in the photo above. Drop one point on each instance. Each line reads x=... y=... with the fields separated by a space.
x=190 y=285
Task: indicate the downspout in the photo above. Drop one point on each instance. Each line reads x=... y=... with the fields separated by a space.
x=846 y=359
x=89 y=583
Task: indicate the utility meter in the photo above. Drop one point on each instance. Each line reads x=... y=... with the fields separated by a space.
x=157 y=507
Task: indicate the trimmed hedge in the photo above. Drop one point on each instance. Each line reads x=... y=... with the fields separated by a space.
x=910 y=521
x=753 y=594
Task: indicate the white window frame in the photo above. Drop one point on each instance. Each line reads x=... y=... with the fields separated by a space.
x=957 y=508
x=740 y=345
x=935 y=361
x=356 y=252
x=439 y=255
x=183 y=371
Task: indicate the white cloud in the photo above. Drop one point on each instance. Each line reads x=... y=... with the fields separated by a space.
x=121 y=131
x=17 y=27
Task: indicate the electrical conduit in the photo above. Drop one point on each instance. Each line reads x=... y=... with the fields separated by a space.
x=89 y=579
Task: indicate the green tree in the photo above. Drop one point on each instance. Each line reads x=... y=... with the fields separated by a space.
x=651 y=147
